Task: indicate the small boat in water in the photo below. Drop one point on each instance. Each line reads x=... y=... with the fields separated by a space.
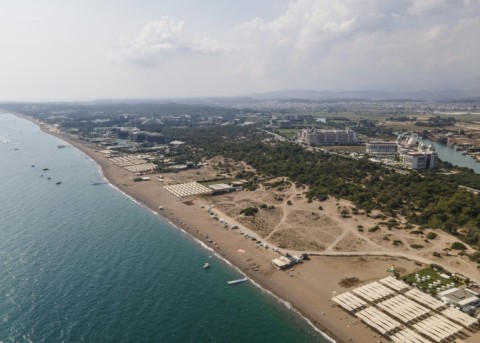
x=98 y=183
x=45 y=169
x=206 y=266
x=59 y=183
x=234 y=282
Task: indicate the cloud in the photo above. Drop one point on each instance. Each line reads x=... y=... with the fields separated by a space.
x=346 y=43
x=163 y=40
x=422 y=7
x=323 y=44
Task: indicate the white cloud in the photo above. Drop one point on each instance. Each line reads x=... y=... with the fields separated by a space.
x=422 y=7
x=327 y=44
x=210 y=46
x=321 y=44
x=162 y=40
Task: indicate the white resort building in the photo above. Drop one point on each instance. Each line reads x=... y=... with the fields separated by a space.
x=381 y=148
x=328 y=137
x=415 y=155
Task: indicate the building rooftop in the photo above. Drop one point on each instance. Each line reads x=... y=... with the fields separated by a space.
x=382 y=142
x=459 y=296
x=416 y=153
x=220 y=187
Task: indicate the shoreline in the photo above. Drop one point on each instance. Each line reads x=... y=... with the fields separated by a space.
x=306 y=293
x=177 y=223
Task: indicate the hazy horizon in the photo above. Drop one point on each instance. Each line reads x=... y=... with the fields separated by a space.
x=64 y=51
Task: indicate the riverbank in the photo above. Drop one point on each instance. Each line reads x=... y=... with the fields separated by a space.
x=308 y=288
x=457 y=158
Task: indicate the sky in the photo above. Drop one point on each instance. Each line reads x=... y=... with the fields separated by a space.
x=112 y=49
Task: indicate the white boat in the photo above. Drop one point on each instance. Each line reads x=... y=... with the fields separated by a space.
x=206 y=266
x=233 y=282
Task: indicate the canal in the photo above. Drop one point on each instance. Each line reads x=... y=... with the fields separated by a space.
x=448 y=154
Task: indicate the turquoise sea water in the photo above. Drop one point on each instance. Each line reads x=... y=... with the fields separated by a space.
x=84 y=263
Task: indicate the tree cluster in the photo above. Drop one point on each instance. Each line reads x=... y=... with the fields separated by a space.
x=430 y=199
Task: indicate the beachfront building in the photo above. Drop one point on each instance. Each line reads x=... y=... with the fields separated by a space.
x=281 y=262
x=154 y=137
x=415 y=155
x=328 y=137
x=381 y=148
x=220 y=188
x=418 y=160
x=463 y=299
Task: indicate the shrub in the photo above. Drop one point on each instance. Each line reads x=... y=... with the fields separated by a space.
x=322 y=197
x=249 y=211
x=458 y=246
x=431 y=235
x=344 y=213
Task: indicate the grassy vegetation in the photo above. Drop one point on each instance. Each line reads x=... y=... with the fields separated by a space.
x=434 y=276
x=287 y=133
x=469 y=118
x=400 y=126
x=350 y=115
x=255 y=119
x=352 y=148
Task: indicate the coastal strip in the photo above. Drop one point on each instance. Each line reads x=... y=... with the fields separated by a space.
x=308 y=288
x=117 y=178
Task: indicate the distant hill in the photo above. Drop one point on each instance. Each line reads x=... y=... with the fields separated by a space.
x=297 y=94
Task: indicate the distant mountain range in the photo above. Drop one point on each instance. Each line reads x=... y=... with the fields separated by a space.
x=297 y=94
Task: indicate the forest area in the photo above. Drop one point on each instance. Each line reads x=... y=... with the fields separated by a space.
x=430 y=199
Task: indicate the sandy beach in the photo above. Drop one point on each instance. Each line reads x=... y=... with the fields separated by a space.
x=309 y=286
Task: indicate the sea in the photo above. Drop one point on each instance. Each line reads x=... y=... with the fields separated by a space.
x=82 y=262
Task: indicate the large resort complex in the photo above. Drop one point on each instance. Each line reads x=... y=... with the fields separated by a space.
x=411 y=153
x=415 y=155
x=328 y=137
